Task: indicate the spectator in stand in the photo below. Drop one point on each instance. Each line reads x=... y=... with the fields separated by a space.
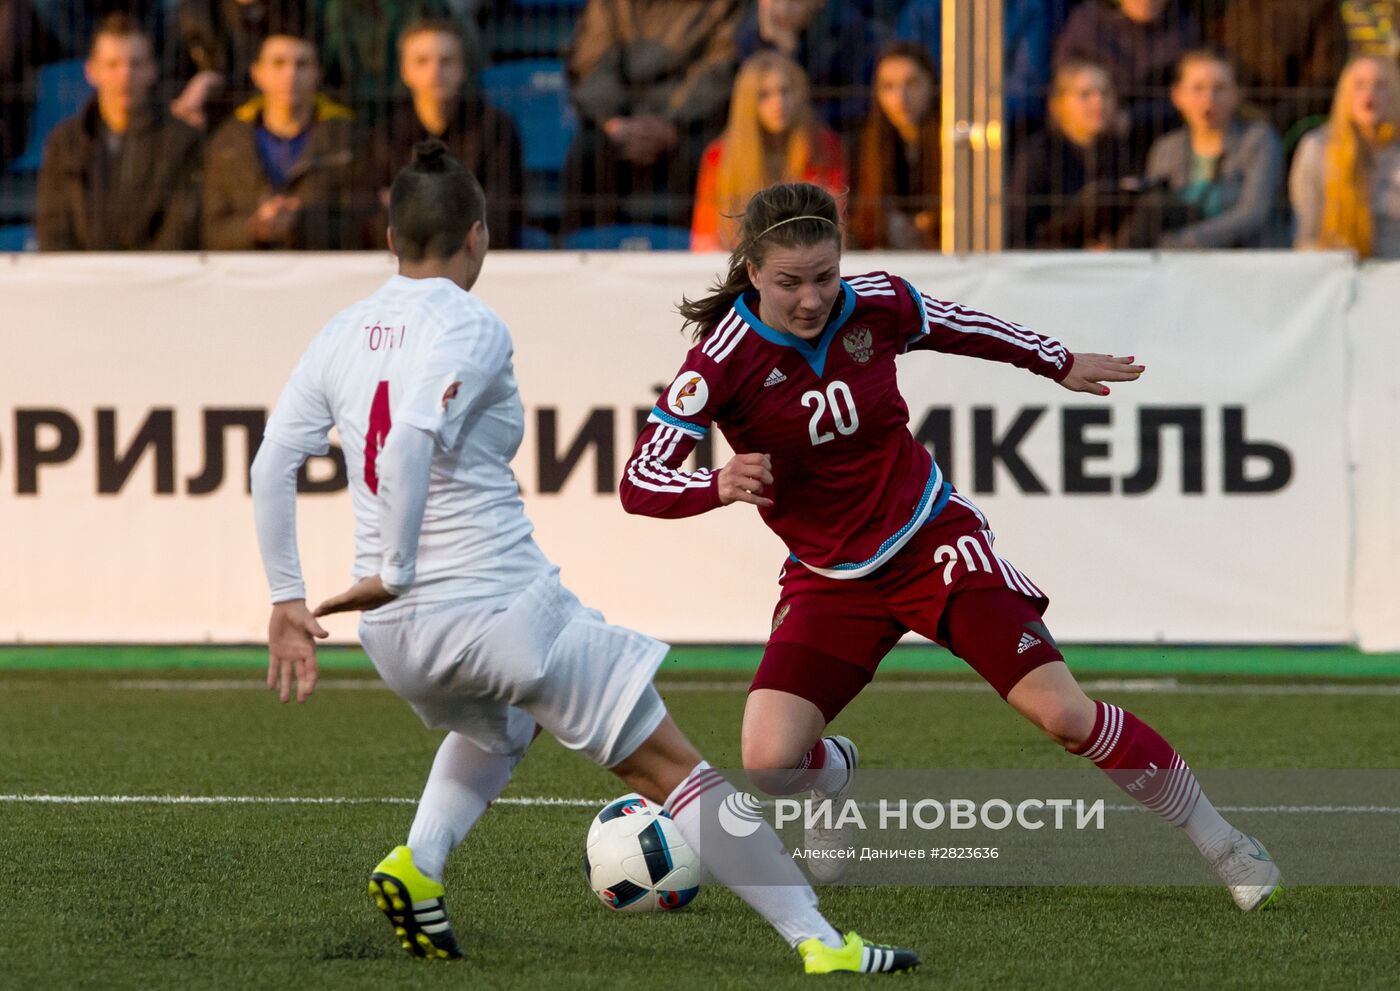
x=773 y=136
x=1287 y=52
x=1140 y=41
x=832 y=42
x=358 y=45
x=218 y=41
x=123 y=174
x=897 y=170
x=1067 y=186
x=1345 y=184
x=650 y=79
x=1222 y=175
x=441 y=66
x=1027 y=28
x=280 y=171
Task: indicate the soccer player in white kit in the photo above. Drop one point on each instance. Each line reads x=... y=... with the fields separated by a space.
x=465 y=618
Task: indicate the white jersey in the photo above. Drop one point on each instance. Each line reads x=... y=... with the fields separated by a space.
x=426 y=353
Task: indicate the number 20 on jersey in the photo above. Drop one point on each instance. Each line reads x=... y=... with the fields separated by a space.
x=836 y=396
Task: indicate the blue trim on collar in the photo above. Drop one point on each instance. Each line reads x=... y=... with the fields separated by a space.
x=814 y=353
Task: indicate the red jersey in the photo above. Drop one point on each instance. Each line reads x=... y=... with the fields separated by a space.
x=851 y=485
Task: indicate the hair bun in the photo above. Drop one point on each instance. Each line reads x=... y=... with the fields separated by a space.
x=430 y=155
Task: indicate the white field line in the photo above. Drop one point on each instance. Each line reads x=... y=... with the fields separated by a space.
x=579 y=803
x=1163 y=686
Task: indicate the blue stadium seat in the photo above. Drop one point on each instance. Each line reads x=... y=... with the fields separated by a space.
x=629 y=237
x=17 y=237
x=61 y=92
x=529 y=29
x=535 y=239
x=535 y=93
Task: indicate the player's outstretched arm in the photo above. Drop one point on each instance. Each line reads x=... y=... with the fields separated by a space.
x=1089 y=372
x=956 y=329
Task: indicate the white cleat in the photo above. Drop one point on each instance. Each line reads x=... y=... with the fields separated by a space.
x=1249 y=872
x=829 y=869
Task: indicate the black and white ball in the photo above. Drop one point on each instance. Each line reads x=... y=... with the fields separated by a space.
x=636 y=860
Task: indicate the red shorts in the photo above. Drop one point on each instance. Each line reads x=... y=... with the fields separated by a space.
x=946 y=584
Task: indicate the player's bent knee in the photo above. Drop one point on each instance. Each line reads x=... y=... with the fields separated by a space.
x=768 y=755
x=1065 y=722
x=775 y=769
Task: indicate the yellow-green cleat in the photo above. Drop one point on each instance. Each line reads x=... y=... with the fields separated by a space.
x=413 y=904
x=855 y=957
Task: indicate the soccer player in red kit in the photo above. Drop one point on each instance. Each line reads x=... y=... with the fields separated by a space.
x=796 y=366
x=464 y=616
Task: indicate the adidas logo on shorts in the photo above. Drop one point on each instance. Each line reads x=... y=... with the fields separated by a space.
x=774 y=377
x=1027 y=642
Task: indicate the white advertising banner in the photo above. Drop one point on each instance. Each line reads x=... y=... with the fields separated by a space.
x=1208 y=502
x=1374 y=336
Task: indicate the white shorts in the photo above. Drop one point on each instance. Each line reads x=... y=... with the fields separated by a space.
x=490 y=669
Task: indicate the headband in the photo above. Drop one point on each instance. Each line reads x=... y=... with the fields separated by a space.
x=805 y=216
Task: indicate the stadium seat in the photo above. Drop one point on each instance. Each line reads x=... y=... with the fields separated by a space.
x=17 y=237
x=535 y=93
x=61 y=90
x=534 y=239
x=629 y=237
x=529 y=29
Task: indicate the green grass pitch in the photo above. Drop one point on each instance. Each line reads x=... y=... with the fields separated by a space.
x=272 y=896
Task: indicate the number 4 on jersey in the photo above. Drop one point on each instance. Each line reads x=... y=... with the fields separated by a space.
x=380 y=422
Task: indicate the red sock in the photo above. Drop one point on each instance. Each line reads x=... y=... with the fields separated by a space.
x=1141 y=763
x=792 y=780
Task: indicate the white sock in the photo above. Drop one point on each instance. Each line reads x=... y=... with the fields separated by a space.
x=834 y=775
x=464 y=780
x=790 y=904
x=1208 y=829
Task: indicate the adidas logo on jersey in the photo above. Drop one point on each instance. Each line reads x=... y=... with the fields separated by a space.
x=1027 y=642
x=774 y=377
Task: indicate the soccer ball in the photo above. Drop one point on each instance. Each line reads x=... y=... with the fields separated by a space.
x=636 y=860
